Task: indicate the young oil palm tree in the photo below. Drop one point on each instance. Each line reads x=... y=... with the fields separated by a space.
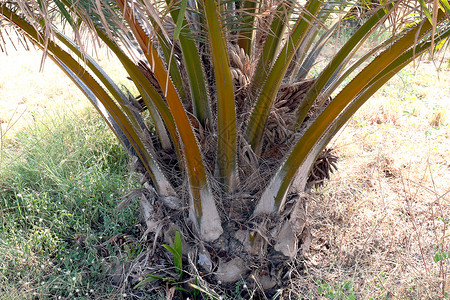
x=238 y=122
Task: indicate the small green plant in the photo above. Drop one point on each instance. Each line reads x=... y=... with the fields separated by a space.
x=343 y=290
x=240 y=287
x=132 y=251
x=441 y=255
x=411 y=113
x=177 y=252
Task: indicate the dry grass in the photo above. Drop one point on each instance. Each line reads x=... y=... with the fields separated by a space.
x=26 y=92
x=382 y=218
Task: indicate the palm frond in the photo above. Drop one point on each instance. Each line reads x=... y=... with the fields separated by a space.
x=271 y=85
x=305 y=150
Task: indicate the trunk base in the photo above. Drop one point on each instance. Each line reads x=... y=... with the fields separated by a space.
x=253 y=257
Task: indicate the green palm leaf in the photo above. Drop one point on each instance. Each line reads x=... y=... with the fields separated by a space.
x=226 y=114
x=260 y=113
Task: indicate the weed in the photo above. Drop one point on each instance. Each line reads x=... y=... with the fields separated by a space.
x=343 y=290
x=177 y=253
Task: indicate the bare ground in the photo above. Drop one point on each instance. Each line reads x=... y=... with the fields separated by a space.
x=382 y=221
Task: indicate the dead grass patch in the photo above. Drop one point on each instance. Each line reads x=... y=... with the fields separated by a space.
x=381 y=225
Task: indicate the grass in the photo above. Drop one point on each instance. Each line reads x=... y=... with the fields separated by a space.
x=380 y=225
x=62 y=176
x=58 y=200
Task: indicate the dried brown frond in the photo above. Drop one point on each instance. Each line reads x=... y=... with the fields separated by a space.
x=325 y=164
x=148 y=73
x=280 y=131
x=291 y=95
x=263 y=21
x=437 y=118
x=241 y=73
x=11 y=35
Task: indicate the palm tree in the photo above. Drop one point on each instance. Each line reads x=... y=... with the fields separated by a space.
x=239 y=125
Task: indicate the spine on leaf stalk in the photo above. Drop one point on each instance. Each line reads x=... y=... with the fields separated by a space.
x=272 y=83
x=203 y=209
x=226 y=111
